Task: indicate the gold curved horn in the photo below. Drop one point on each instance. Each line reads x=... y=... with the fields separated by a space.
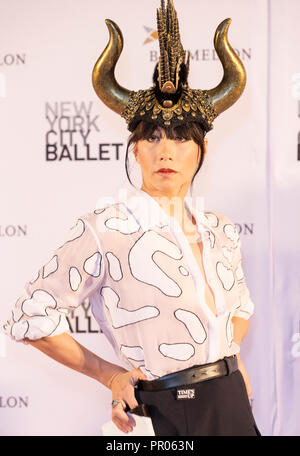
x=234 y=80
x=106 y=87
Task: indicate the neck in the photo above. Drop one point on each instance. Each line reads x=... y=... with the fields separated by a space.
x=171 y=203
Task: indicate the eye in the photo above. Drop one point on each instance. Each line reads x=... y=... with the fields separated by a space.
x=154 y=138
x=180 y=139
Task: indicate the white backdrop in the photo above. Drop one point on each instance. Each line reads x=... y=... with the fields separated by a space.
x=61 y=149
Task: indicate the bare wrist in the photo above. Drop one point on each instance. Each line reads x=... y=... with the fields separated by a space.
x=113 y=371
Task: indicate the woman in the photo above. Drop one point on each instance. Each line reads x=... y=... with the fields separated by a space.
x=164 y=278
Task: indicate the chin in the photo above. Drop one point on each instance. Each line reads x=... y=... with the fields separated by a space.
x=168 y=188
x=167 y=184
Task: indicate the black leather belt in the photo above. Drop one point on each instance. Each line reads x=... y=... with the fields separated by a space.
x=191 y=375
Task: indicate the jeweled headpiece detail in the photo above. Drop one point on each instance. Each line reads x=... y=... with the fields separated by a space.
x=172 y=54
x=169 y=102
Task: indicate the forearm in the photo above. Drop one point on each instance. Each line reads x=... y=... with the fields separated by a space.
x=67 y=351
x=240 y=328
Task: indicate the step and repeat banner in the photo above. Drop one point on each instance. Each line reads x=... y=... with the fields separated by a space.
x=62 y=149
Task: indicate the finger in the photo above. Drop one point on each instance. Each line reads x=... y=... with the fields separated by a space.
x=131 y=404
x=119 y=408
x=123 y=407
x=142 y=375
x=123 y=418
x=130 y=399
x=126 y=425
x=121 y=426
x=132 y=421
x=137 y=374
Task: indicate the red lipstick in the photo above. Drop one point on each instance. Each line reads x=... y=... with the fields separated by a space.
x=166 y=171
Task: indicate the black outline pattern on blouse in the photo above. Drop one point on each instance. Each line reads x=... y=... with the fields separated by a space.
x=161 y=226
x=228 y=269
x=133 y=215
x=59 y=321
x=209 y=222
x=209 y=231
x=108 y=262
x=14 y=309
x=25 y=331
x=99 y=211
x=230 y=330
x=245 y=311
x=118 y=231
x=34 y=280
x=74 y=239
x=153 y=375
x=8 y=323
x=242 y=280
x=122 y=308
x=235 y=242
x=160 y=251
x=100 y=264
x=182 y=267
x=188 y=311
x=239 y=307
x=52 y=272
x=177 y=343
x=230 y=262
x=5 y=326
x=80 y=278
x=124 y=220
x=132 y=346
x=39 y=315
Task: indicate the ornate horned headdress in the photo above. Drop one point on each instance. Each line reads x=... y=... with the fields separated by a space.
x=170 y=101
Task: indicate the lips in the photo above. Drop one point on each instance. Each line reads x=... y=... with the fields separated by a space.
x=166 y=171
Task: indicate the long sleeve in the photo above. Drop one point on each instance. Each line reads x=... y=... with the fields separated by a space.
x=246 y=306
x=73 y=273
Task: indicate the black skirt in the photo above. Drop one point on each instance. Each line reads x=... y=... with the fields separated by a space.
x=216 y=407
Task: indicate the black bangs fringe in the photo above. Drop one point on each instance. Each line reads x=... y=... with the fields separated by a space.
x=145 y=130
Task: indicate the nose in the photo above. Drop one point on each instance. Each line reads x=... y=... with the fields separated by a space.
x=166 y=149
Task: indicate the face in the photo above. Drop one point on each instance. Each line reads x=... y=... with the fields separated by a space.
x=167 y=165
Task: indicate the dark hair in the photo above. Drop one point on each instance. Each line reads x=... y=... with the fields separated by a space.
x=191 y=130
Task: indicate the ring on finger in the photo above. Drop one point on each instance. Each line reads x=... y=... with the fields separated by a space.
x=116 y=402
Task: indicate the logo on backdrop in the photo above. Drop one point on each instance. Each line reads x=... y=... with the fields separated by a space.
x=196 y=54
x=73 y=133
x=81 y=320
x=245 y=228
x=12 y=59
x=14 y=401
x=13 y=230
x=152 y=35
